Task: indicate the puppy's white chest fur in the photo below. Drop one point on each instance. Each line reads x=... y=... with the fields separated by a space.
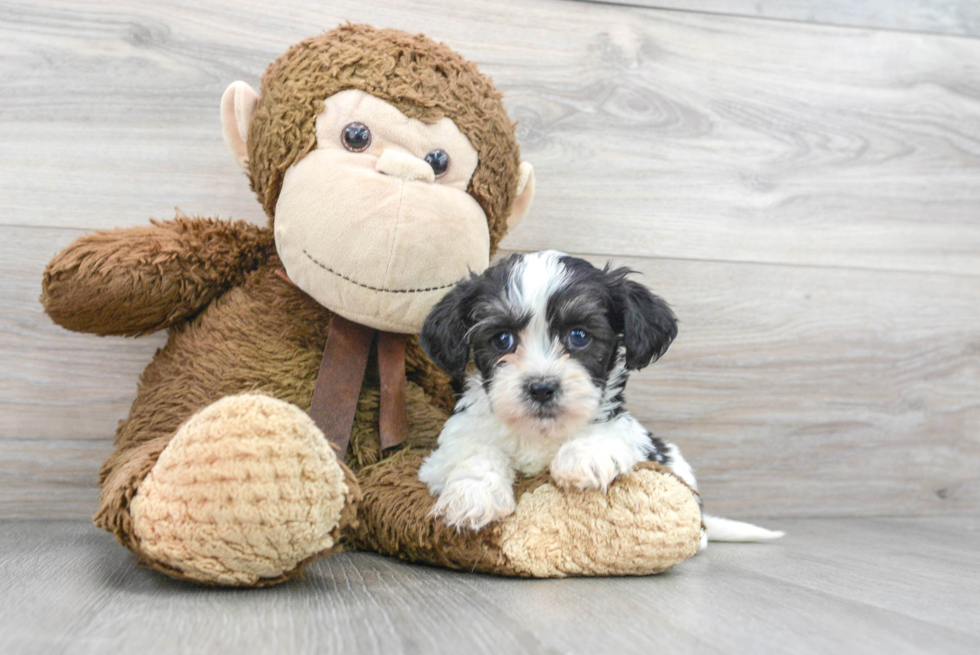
x=532 y=454
x=474 y=468
x=475 y=431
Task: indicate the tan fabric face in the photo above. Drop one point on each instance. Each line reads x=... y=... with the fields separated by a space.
x=393 y=130
x=367 y=234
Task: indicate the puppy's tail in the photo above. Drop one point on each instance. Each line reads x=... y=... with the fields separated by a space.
x=720 y=529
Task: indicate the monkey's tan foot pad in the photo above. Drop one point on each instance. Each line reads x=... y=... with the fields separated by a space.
x=246 y=493
x=647 y=522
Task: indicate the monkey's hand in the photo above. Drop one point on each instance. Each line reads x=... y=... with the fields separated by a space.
x=133 y=281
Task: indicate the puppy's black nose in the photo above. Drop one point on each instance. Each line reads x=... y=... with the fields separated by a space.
x=542 y=390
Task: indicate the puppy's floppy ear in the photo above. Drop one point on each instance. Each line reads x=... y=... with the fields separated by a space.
x=649 y=325
x=443 y=335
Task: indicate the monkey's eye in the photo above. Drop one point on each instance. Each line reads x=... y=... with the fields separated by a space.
x=439 y=161
x=356 y=137
x=578 y=339
x=502 y=341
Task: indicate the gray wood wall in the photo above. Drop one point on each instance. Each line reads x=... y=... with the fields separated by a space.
x=800 y=179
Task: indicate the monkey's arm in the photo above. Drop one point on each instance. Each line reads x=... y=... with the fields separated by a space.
x=132 y=281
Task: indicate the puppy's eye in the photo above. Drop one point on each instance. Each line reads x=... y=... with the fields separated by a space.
x=356 y=137
x=578 y=339
x=439 y=161
x=502 y=341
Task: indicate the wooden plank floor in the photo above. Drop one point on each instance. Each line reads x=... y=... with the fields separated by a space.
x=832 y=585
x=804 y=193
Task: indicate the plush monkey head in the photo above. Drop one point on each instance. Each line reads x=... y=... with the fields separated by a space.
x=388 y=167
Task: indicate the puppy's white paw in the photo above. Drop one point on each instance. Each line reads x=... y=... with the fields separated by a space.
x=586 y=464
x=475 y=502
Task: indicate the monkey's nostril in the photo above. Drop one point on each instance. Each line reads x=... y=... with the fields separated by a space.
x=542 y=391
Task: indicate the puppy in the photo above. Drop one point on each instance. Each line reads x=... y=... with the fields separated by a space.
x=553 y=339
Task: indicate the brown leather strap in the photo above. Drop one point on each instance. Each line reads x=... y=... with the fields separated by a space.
x=393 y=423
x=338 y=384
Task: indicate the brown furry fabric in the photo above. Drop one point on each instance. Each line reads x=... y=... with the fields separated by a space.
x=394 y=520
x=137 y=280
x=647 y=522
x=262 y=334
x=424 y=79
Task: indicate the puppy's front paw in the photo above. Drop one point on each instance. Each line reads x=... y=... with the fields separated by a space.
x=584 y=464
x=475 y=502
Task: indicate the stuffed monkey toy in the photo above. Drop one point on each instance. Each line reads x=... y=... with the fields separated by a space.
x=389 y=169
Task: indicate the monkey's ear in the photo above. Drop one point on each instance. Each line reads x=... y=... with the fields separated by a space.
x=443 y=336
x=525 y=194
x=237 y=107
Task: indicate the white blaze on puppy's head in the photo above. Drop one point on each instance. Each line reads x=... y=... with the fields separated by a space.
x=538 y=389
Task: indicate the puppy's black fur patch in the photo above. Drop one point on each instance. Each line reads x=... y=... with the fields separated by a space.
x=447 y=333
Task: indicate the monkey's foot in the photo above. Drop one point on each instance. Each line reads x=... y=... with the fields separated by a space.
x=646 y=522
x=246 y=493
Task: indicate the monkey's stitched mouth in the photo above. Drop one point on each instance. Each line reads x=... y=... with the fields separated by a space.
x=368 y=286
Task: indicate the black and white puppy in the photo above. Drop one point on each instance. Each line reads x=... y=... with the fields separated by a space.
x=553 y=339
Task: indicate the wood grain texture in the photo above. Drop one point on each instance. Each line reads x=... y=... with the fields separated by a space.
x=818 y=392
x=959 y=17
x=792 y=390
x=61 y=394
x=804 y=195
x=654 y=133
x=878 y=586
